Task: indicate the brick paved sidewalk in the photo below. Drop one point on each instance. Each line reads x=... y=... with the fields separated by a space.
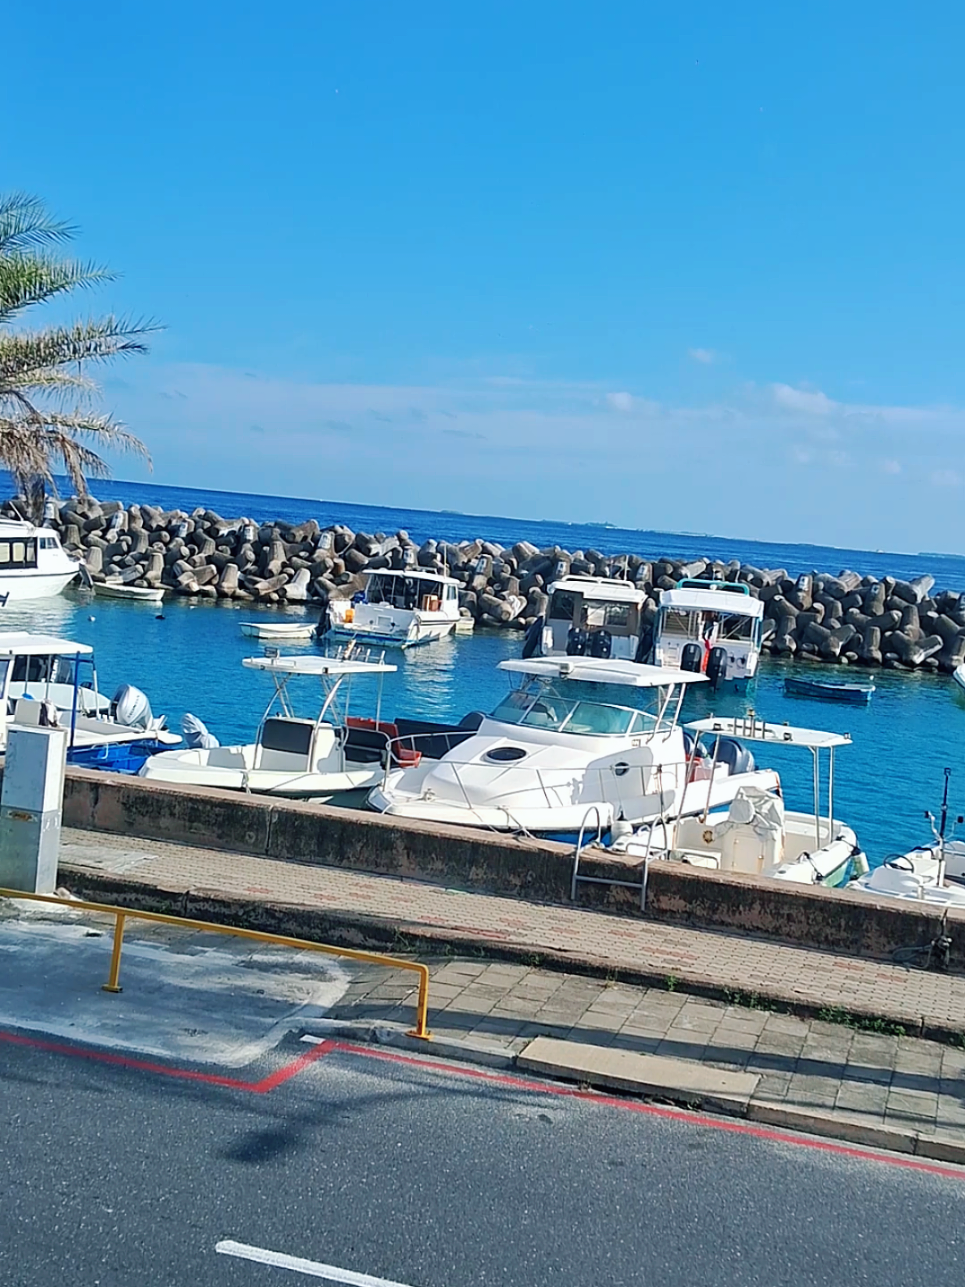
x=572 y=938
x=905 y=1083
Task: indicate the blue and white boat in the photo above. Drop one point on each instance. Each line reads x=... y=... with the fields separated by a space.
x=48 y=682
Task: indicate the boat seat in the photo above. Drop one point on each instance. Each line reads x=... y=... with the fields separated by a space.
x=286 y=744
x=366 y=736
x=35 y=714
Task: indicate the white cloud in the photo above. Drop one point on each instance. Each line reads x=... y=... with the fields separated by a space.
x=946 y=478
x=890 y=467
x=620 y=401
x=707 y=356
x=812 y=404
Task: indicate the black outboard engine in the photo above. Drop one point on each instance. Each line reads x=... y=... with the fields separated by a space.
x=717 y=667
x=533 y=639
x=575 y=642
x=600 y=643
x=691 y=657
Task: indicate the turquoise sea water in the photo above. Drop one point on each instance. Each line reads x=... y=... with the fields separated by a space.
x=191 y=659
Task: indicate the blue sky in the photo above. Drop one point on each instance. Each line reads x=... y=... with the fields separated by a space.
x=684 y=267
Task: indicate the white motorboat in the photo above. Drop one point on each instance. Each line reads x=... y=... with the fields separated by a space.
x=278 y=631
x=134 y=593
x=757 y=835
x=33 y=563
x=570 y=736
x=317 y=757
x=590 y=616
x=50 y=682
x=958 y=675
x=397 y=609
x=932 y=873
x=714 y=627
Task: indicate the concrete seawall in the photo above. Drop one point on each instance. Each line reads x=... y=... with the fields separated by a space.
x=841 y=921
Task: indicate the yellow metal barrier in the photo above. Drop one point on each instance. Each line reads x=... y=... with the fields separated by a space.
x=121 y=915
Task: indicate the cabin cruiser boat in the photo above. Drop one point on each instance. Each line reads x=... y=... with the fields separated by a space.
x=590 y=616
x=756 y=835
x=573 y=734
x=43 y=684
x=318 y=757
x=396 y=609
x=33 y=563
x=713 y=627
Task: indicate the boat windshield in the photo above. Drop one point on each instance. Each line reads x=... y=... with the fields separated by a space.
x=539 y=703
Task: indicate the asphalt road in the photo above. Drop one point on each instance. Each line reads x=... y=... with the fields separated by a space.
x=118 y=1175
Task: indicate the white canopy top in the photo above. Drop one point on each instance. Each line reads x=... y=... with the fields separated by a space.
x=689 y=599
x=750 y=729
x=416 y=574
x=331 y=667
x=21 y=644
x=600 y=589
x=602 y=670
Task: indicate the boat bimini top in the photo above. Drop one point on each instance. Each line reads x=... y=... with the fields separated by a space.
x=602 y=670
x=332 y=671
x=21 y=644
x=731 y=597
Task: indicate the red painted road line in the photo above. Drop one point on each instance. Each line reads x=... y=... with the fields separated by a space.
x=653 y=1110
x=262 y=1087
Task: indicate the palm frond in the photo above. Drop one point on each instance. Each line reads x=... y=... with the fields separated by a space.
x=29 y=279
x=25 y=224
x=91 y=341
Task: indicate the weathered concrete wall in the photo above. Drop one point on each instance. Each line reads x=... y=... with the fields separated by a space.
x=842 y=921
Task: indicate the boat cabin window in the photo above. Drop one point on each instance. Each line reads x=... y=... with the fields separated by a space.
x=618 y=618
x=573 y=709
x=18 y=554
x=32 y=670
x=678 y=621
x=563 y=607
x=407 y=592
x=737 y=627
x=49 y=543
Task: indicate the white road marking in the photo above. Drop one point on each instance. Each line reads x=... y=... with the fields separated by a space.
x=313 y=1268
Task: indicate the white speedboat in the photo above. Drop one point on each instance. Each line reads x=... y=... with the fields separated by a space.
x=50 y=682
x=278 y=631
x=33 y=563
x=574 y=734
x=133 y=593
x=932 y=873
x=757 y=835
x=397 y=609
x=318 y=757
x=958 y=675
x=590 y=616
x=710 y=626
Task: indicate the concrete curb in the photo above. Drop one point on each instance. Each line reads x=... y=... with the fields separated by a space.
x=351 y=929
x=838 y=1127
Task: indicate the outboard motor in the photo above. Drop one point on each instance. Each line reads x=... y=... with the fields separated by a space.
x=600 y=643
x=691 y=657
x=717 y=667
x=575 y=642
x=533 y=638
x=735 y=756
x=129 y=706
x=196 y=735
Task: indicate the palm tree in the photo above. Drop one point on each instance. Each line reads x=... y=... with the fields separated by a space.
x=48 y=416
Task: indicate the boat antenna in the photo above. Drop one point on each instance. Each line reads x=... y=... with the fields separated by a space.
x=944 y=818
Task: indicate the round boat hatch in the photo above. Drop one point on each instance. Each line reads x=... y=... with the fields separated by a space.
x=504 y=754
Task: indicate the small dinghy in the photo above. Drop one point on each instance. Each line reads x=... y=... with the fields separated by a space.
x=120 y=590
x=285 y=631
x=830 y=691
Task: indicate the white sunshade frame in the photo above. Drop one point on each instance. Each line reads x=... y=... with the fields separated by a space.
x=22 y=644
x=751 y=729
x=319 y=667
x=602 y=670
x=720 y=601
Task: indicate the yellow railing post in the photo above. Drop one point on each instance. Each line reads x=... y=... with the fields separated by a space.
x=422 y=1006
x=112 y=985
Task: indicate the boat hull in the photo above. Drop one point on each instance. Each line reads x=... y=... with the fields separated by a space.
x=130 y=593
x=18 y=587
x=850 y=694
x=423 y=633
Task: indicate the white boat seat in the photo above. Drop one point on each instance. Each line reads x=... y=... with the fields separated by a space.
x=34 y=714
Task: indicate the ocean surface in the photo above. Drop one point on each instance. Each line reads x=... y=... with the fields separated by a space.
x=188 y=657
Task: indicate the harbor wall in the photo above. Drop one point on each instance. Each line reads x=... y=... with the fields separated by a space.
x=842 y=618
x=462 y=858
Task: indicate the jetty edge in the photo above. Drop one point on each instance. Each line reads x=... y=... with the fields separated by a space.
x=844 y=619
